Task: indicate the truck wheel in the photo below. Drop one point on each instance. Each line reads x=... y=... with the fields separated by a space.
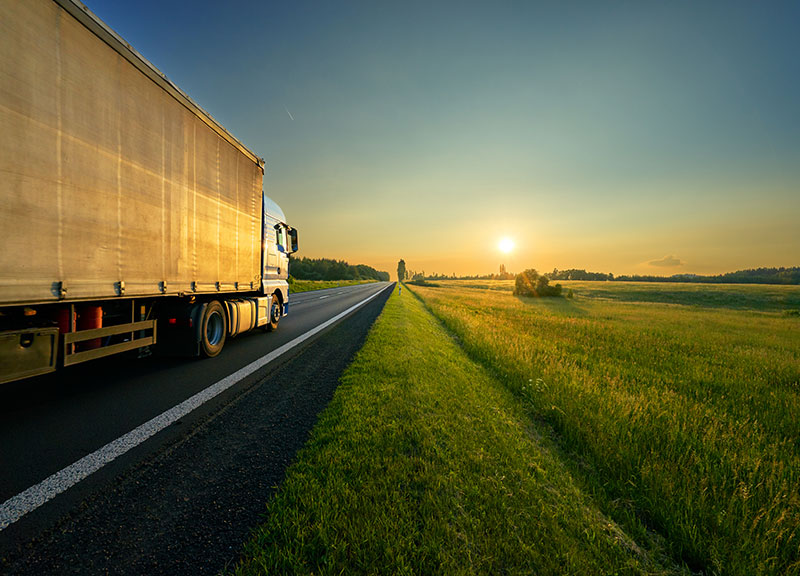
x=213 y=330
x=275 y=312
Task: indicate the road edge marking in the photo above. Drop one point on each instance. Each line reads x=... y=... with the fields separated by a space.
x=32 y=498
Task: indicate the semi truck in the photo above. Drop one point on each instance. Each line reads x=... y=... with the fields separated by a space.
x=129 y=217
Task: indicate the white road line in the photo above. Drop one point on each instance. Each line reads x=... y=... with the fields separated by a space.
x=17 y=506
x=321 y=297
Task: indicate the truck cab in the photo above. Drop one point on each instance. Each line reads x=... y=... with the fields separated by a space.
x=279 y=240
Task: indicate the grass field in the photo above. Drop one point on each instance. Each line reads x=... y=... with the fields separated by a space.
x=426 y=463
x=308 y=285
x=731 y=296
x=674 y=406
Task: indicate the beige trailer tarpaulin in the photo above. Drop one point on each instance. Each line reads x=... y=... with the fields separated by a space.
x=111 y=181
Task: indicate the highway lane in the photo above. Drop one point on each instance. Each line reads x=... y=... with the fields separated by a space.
x=50 y=422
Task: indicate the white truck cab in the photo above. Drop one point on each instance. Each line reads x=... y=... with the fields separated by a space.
x=279 y=240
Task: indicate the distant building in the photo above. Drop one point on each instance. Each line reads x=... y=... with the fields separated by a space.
x=504 y=274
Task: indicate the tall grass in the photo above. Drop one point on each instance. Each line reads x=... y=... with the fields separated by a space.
x=682 y=419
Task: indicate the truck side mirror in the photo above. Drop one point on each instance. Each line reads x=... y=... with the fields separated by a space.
x=293 y=239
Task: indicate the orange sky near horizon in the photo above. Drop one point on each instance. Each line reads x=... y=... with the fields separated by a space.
x=707 y=236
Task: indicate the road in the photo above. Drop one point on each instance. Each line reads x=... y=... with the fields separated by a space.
x=183 y=500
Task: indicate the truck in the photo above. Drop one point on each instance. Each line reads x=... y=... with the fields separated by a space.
x=130 y=219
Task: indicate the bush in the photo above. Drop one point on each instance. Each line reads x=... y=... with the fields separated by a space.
x=530 y=283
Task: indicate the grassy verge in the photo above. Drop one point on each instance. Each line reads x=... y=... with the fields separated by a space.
x=681 y=419
x=308 y=285
x=424 y=464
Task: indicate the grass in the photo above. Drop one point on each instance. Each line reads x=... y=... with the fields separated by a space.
x=730 y=296
x=296 y=286
x=675 y=406
x=425 y=463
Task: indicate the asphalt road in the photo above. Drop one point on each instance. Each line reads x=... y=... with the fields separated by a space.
x=184 y=500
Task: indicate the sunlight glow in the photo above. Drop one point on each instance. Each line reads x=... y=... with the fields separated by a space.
x=506 y=245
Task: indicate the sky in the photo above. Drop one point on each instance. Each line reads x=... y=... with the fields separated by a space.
x=627 y=137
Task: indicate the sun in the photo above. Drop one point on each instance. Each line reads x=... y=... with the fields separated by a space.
x=506 y=245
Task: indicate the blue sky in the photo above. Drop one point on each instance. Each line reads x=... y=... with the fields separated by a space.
x=608 y=136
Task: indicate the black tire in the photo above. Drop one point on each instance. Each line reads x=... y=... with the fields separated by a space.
x=275 y=313
x=213 y=329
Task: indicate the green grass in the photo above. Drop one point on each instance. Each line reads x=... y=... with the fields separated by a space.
x=731 y=296
x=424 y=463
x=309 y=285
x=676 y=407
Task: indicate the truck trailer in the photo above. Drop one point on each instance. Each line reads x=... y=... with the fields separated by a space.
x=129 y=217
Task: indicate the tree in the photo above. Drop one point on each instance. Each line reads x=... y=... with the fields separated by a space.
x=525 y=283
x=327 y=269
x=401 y=270
x=530 y=283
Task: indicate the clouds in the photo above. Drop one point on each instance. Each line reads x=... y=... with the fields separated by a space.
x=667 y=262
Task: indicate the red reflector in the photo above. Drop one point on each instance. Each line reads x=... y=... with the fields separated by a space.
x=172 y=321
x=191 y=323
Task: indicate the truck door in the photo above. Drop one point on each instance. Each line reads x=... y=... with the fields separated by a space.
x=275 y=261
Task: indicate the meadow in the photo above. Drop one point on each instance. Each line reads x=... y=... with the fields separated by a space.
x=620 y=431
x=760 y=297
x=674 y=406
x=425 y=463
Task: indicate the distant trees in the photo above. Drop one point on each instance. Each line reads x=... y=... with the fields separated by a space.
x=575 y=274
x=327 y=269
x=401 y=270
x=530 y=283
x=504 y=274
x=752 y=276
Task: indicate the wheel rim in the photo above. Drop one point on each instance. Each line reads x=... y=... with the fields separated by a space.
x=276 y=311
x=214 y=329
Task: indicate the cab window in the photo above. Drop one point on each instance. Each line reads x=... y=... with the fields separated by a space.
x=280 y=237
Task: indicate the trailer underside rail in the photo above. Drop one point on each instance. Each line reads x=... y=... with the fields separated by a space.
x=138 y=338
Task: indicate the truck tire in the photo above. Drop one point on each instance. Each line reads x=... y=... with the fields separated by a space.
x=213 y=329
x=275 y=312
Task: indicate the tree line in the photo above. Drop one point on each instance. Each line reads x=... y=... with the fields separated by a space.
x=575 y=274
x=751 y=276
x=328 y=269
